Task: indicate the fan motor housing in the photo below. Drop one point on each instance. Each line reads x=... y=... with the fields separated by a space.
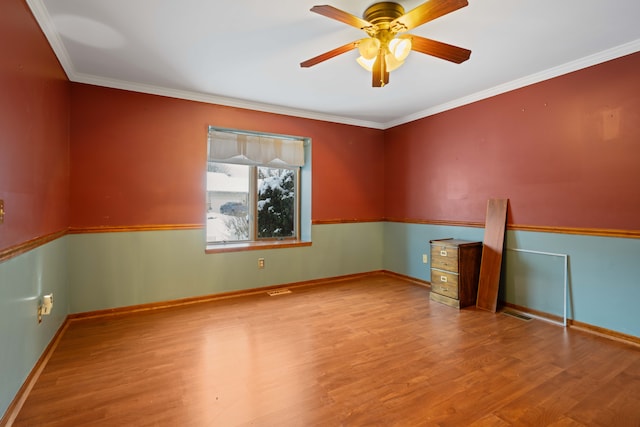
x=383 y=12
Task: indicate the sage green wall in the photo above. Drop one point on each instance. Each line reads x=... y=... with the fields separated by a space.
x=603 y=279
x=406 y=243
x=88 y=272
x=122 y=269
x=23 y=282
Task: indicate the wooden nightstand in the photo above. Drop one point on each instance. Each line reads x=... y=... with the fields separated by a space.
x=455 y=270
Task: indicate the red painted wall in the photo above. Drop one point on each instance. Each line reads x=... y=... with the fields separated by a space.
x=139 y=159
x=566 y=152
x=34 y=130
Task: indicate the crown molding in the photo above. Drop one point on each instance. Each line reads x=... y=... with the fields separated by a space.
x=600 y=57
x=569 y=67
x=44 y=20
x=218 y=100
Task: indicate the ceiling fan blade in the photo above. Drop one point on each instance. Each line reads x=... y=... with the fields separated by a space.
x=426 y=12
x=328 y=55
x=438 y=49
x=342 y=16
x=380 y=75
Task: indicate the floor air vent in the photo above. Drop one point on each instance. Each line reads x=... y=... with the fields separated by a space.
x=517 y=315
x=276 y=292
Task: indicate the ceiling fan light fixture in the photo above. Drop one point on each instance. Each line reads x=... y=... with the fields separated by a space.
x=369 y=48
x=392 y=62
x=365 y=63
x=400 y=48
x=387 y=45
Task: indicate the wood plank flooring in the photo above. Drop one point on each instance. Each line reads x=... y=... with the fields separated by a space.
x=372 y=351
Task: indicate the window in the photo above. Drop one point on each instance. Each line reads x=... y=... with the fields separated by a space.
x=253 y=187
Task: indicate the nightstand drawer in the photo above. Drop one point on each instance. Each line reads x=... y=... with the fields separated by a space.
x=444 y=278
x=444 y=289
x=444 y=257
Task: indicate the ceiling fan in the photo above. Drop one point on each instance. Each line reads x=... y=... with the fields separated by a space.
x=385 y=48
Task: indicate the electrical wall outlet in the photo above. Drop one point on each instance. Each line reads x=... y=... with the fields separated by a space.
x=45 y=306
x=425 y=258
x=260 y=262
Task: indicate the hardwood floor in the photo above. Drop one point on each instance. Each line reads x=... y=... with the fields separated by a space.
x=365 y=352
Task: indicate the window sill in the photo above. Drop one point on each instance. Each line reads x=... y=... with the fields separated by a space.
x=253 y=246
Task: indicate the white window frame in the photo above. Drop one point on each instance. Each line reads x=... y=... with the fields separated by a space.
x=302 y=203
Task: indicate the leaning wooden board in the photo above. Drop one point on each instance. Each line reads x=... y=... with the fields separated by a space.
x=492 y=254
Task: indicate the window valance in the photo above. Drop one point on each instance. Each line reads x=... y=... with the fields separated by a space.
x=244 y=148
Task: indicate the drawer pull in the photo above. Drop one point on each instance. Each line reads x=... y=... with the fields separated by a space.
x=443 y=279
x=443 y=253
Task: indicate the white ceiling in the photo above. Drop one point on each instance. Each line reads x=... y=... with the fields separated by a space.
x=246 y=53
